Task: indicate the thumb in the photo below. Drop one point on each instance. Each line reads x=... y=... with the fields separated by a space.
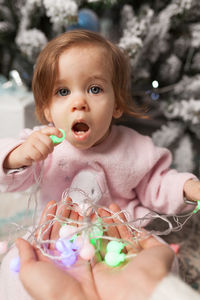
x=26 y=252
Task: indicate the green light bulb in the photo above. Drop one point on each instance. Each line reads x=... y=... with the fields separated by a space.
x=115 y=246
x=113 y=259
x=57 y=140
x=96 y=233
x=93 y=242
x=197 y=207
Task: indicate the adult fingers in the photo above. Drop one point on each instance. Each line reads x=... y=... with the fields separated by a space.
x=147 y=242
x=120 y=219
x=111 y=231
x=107 y=219
x=159 y=255
x=125 y=232
x=26 y=252
x=74 y=215
x=63 y=212
x=44 y=228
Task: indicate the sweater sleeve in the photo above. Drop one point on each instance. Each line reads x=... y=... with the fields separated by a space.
x=24 y=178
x=161 y=188
x=173 y=288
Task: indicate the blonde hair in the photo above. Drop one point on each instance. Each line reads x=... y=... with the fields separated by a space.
x=46 y=70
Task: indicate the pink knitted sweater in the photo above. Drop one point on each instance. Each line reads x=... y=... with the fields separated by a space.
x=126 y=168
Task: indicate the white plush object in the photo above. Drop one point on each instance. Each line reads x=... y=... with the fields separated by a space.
x=173 y=288
x=85 y=189
x=16 y=113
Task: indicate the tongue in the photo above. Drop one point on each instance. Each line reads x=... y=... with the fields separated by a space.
x=80 y=127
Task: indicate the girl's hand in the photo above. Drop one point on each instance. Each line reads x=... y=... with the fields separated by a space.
x=36 y=148
x=191 y=189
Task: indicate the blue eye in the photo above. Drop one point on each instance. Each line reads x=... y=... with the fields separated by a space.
x=63 y=92
x=95 y=90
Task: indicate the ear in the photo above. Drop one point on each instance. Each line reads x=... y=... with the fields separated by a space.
x=47 y=114
x=117 y=112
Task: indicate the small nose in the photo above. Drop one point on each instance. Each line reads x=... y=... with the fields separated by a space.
x=79 y=103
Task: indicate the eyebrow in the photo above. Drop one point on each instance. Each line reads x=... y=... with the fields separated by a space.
x=59 y=82
x=95 y=77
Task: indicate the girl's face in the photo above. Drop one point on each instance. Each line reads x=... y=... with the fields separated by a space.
x=83 y=103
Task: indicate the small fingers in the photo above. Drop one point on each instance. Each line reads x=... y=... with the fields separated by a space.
x=56 y=135
x=40 y=143
x=37 y=147
x=50 y=130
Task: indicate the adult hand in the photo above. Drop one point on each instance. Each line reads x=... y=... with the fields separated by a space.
x=139 y=277
x=45 y=280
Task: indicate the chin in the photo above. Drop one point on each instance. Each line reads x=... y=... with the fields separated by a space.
x=81 y=146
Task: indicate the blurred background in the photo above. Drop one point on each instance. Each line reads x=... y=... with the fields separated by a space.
x=162 y=38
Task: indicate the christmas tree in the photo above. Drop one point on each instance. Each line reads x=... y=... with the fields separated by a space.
x=162 y=39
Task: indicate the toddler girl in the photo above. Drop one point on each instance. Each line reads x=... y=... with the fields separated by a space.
x=81 y=84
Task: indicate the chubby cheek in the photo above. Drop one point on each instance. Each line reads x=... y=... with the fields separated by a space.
x=57 y=122
x=103 y=124
x=58 y=116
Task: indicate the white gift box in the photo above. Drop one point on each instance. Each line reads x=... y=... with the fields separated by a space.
x=17 y=111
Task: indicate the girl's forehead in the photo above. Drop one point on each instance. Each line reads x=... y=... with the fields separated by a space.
x=85 y=56
x=86 y=50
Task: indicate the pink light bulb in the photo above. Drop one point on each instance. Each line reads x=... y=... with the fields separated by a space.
x=67 y=231
x=87 y=252
x=79 y=241
x=3 y=247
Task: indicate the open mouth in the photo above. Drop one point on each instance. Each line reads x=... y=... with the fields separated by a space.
x=80 y=128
